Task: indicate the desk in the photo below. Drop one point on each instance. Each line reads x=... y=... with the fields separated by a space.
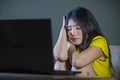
x=13 y=76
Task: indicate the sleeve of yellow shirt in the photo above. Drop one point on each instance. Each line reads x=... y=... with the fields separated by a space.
x=101 y=42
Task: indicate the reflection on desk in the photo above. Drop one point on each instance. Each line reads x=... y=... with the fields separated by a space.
x=15 y=76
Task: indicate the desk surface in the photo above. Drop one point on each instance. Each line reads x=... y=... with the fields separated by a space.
x=13 y=76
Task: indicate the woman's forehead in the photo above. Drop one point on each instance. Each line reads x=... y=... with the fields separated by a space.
x=72 y=22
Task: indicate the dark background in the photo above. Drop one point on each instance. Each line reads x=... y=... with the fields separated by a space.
x=107 y=13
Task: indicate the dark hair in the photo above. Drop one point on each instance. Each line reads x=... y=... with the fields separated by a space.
x=87 y=23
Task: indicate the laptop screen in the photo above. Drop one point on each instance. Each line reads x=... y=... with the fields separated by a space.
x=26 y=46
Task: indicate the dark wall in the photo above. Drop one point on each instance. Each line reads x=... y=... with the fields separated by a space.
x=106 y=12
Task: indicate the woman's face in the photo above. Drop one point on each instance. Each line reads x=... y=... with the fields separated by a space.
x=74 y=33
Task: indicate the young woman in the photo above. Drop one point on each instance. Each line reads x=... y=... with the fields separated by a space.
x=81 y=46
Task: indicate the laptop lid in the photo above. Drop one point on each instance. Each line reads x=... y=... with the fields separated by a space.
x=26 y=46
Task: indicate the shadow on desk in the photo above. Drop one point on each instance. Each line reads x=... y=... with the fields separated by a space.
x=13 y=76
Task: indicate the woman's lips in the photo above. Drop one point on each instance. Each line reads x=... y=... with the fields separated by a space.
x=74 y=39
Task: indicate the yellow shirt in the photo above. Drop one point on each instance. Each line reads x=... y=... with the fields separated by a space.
x=101 y=65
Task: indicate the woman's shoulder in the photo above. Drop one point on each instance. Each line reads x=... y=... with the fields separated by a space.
x=99 y=41
x=98 y=38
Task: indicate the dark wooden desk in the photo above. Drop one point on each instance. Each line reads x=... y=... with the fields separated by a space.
x=13 y=76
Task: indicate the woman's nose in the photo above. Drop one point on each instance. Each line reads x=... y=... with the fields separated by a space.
x=73 y=32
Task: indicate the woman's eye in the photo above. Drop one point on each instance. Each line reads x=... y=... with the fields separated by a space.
x=69 y=28
x=78 y=28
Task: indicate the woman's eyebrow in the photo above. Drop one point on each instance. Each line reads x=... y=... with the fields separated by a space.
x=69 y=26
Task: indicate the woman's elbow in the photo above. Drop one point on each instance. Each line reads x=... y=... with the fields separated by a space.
x=78 y=63
x=60 y=57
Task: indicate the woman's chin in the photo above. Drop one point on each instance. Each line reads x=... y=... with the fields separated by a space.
x=76 y=43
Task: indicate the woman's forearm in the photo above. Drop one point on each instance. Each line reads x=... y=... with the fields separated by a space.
x=60 y=49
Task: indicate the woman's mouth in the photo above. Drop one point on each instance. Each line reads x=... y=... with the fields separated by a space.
x=74 y=39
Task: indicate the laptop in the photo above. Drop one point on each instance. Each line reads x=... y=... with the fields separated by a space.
x=26 y=47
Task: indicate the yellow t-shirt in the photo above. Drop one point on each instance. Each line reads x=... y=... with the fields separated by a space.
x=101 y=65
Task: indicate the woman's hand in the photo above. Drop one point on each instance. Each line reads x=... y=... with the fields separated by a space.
x=72 y=52
x=60 y=49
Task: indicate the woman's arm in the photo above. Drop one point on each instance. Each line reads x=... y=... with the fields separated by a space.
x=60 y=49
x=86 y=57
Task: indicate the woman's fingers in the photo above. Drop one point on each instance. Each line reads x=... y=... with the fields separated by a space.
x=64 y=17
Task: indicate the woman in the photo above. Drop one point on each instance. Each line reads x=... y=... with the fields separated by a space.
x=81 y=46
